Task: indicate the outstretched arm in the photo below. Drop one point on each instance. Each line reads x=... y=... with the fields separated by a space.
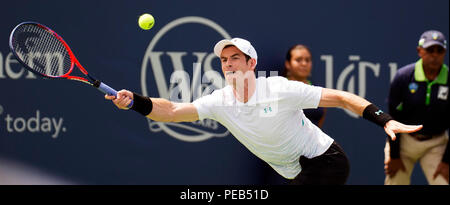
x=157 y=109
x=362 y=107
x=346 y=100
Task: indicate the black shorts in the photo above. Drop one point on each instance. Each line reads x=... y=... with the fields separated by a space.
x=330 y=168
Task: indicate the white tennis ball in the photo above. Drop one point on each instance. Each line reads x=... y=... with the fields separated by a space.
x=146 y=21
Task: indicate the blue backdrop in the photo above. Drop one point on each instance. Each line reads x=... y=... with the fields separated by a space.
x=67 y=129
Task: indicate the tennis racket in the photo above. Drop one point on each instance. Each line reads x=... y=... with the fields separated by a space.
x=43 y=52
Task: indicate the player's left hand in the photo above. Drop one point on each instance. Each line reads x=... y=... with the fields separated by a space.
x=393 y=127
x=442 y=169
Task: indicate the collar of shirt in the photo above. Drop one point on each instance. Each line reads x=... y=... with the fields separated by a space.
x=419 y=74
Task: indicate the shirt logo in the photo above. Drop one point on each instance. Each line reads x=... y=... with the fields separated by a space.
x=443 y=92
x=267 y=109
x=413 y=87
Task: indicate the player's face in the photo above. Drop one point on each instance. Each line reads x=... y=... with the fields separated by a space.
x=235 y=66
x=300 y=64
x=432 y=57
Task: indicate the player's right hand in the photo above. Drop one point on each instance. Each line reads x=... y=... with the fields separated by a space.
x=122 y=100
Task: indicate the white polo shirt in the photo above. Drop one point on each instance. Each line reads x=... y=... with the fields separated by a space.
x=271 y=124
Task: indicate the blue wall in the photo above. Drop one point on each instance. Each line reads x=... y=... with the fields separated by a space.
x=356 y=45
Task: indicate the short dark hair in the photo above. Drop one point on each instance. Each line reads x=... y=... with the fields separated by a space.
x=289 y=56
x=247 y=57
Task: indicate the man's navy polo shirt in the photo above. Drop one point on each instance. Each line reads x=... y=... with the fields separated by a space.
x=415 y=100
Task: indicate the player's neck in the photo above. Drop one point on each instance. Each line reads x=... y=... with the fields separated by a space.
x=304 y=80
x=245 y=92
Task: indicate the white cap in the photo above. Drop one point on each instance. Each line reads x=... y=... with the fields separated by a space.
x=242 y=44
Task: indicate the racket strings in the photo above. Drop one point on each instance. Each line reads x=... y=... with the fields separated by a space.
x=41 y=50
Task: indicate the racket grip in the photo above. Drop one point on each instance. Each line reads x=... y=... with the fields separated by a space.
x=110 y=91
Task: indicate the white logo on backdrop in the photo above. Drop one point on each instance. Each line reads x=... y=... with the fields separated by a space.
x=152 y=59
x=346 y=75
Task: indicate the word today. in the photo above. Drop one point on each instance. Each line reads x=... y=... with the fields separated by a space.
x=35 y=124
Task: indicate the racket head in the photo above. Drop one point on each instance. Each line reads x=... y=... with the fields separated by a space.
x=43 y=52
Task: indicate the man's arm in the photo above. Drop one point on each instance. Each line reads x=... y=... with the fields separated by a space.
x=349 y=101
x=166 y=111
x=162 y=110
x=358 y=105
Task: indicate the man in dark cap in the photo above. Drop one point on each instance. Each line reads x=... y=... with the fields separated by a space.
x=419 y=95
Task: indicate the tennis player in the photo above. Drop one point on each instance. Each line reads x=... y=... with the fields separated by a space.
x=265 y=115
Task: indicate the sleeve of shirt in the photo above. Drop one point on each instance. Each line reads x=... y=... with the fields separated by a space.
x=394 y=104
x=305 y=96
x=205 y=105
